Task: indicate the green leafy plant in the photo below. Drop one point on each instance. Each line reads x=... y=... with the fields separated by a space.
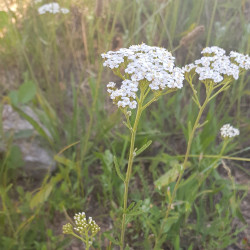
x=145 y=69
x=57 y=55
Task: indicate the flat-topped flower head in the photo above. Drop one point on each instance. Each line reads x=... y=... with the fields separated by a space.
x=228 y=131
x=243 y=61
x=214 y=50
x=215 y=65
x=141 y=64
x=82 y=226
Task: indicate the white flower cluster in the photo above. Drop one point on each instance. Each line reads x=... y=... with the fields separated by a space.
x=52 y=8
x=215 y=64
x=214 y=50
x=242 y=60
x=126 y=94
x=82 y=225
x=228 y=131
x=142 y=63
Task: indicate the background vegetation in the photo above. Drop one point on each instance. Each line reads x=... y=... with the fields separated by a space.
x=52 y=63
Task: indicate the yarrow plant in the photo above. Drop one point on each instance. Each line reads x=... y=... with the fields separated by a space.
x=149 y=72
x=84 y=229
x=216 y=71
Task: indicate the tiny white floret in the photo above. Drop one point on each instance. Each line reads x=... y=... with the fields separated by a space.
x=228 y=131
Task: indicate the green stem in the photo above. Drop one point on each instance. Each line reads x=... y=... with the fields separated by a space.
x=196 y=125
x=156 y=97
x=130 y=164
x=78 y=237
x=220 y=90
x=198 y=156
x=223 y=157
x=87 y=239
x=196 y=99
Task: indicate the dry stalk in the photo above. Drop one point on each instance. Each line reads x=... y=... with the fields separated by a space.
x=192 y=36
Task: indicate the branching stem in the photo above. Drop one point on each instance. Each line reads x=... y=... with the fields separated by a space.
x=190 y=140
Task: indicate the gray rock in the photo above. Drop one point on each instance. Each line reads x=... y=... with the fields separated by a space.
x=37 y=159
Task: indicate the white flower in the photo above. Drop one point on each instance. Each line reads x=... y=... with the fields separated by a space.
x=142 y=63
x=52 y=8
x=188 y=67
x=242 y=60
x=64 y=11
x=215 y=65
x=82 y=224
x=214 y=50
x=228 y=131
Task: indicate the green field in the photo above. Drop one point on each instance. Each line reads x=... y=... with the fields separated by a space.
x=52 y=77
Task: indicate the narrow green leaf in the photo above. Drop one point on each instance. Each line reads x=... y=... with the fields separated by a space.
x=41 y=196
x=63 y=160
x=34 y=123
x=137 y=206
x=136 y=213
x=130 y=207
x=144 y=147
x=117 y=168
x=135 y=209
x=168 y=177
x=171 y=221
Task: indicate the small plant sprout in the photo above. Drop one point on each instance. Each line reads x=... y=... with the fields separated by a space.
x=147 y=73
x=228 y=131
x=84 y=229
x=216 y=71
